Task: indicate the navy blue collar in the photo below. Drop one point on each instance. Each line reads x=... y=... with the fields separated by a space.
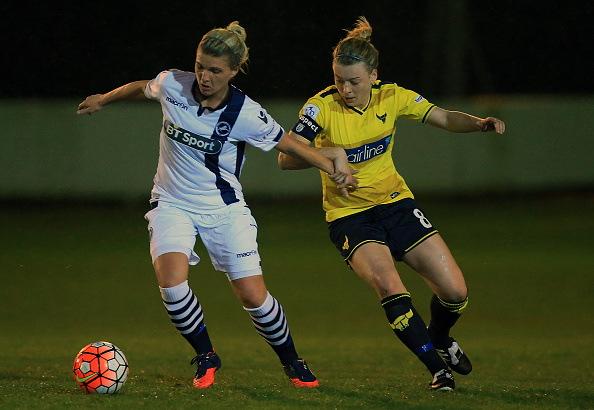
x=201 y=109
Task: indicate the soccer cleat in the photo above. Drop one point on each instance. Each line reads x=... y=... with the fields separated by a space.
x=455 y=357
x=206 y=366
x=300 y=374
x=443 y=380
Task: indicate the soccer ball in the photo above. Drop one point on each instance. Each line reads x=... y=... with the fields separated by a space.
x=100 y=368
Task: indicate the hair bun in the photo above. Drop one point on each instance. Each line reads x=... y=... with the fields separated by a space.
x=236 y=29
x=362 y=30
x=356 y=46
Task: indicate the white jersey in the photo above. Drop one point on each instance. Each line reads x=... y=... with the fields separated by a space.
x=202 y=152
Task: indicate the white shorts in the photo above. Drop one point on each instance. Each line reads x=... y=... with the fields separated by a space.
x=229 y=236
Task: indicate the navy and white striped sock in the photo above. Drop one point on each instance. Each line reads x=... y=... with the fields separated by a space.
x=270 y=322
x=185 y=312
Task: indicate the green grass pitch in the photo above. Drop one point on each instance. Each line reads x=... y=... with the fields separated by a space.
x=79 y=274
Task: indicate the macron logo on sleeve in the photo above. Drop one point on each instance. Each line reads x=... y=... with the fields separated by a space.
x=176 y=103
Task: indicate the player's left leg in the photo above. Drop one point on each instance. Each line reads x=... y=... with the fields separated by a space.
x=270 y=322
x=434 y=262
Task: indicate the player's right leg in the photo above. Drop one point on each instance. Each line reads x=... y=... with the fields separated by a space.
x=373 y=263
x=172 y=241
x=186 y=314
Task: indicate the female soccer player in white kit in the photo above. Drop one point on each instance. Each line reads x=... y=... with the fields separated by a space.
x=206 y=125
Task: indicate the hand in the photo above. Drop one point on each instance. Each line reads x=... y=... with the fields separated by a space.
x=343 y=175
x=345 y=181
x=90 y=105
x=491 y=124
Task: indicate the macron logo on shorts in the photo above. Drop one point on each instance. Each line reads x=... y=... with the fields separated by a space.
x=246 y=254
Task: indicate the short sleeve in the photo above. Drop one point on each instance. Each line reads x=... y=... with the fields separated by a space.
x=412 y=105
x=153 y=87
x=258 y=128
x=311 y=117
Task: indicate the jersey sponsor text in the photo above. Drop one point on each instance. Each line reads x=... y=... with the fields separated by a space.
x=192 y=140
x=368 y=151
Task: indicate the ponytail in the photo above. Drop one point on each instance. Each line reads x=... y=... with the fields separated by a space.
x=356 y=47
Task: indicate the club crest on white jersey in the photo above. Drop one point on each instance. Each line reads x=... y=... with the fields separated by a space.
x=223 y=128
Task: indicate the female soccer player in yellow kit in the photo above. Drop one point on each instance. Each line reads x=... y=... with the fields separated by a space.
x=381 y=222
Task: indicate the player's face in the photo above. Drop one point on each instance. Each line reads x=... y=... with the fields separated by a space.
x=354 y=83
x=213 y=74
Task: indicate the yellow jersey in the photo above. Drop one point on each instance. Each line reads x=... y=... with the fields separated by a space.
x=367 y=136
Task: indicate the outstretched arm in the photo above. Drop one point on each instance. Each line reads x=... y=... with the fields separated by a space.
x=286 y=161
x=131 y=91
x=297 y=155
x=456 y=121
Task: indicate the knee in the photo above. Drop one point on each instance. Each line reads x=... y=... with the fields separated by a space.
x=251 y=291
x=169 y=278
x=461 y=296
x=387 y=285
x=455 y=294
x=171 y=269
x=251 y=301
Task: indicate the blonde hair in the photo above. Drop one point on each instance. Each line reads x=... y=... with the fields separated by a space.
x=356 y=46
x=229 y=42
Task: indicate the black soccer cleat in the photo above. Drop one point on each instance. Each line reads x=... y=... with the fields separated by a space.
x=300 y=374
x=443 y=380
x=455 y=357
x=206 y=366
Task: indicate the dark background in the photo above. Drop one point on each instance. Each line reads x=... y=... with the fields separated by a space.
x=438 y=48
